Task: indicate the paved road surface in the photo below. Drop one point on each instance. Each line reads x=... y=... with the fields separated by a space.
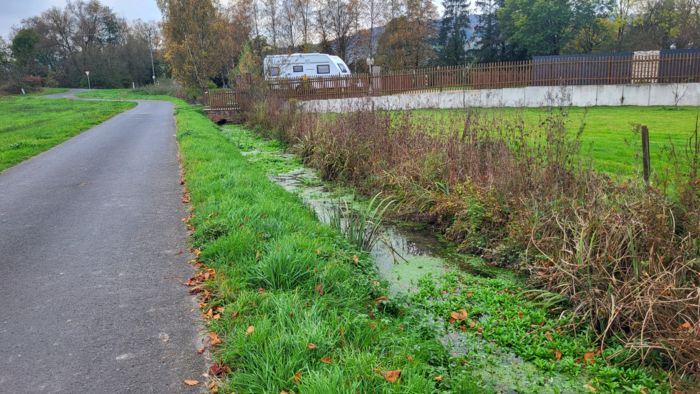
x=92 y=260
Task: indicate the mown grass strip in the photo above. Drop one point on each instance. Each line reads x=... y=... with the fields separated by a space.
x=31 y=125
x=298 y=312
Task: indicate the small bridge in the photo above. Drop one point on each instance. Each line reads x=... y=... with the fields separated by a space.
x=223 y=106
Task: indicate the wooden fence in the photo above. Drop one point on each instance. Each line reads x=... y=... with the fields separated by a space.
x=613 y=69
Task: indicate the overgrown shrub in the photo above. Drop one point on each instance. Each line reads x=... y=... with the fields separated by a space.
x=625 y=256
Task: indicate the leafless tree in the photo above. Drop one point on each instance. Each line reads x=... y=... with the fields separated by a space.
x=271 y=13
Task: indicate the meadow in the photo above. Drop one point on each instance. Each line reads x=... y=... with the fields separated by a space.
x=31 y=125
x=610 y=135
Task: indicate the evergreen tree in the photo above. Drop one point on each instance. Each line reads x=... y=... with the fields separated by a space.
x=452 y=38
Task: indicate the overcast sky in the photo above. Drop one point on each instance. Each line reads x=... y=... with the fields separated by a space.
x=13 y=11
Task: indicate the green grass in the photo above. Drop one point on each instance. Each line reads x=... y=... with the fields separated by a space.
x=609 y=133
x=124 y=94
x=31 y=125
x=257 y=236
x=294 y=280
x=505 y=319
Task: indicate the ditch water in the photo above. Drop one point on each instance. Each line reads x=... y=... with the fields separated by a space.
x=402 y=257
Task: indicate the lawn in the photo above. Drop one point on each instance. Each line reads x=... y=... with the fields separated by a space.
x=609 y=135
x=31 y=125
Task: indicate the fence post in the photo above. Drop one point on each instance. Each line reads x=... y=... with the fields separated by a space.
x=646 y=161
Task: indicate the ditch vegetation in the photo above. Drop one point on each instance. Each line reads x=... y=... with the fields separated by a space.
x=618 y=258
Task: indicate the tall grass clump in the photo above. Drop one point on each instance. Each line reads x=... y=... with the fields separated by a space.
x=624 y=255
x=363 y=226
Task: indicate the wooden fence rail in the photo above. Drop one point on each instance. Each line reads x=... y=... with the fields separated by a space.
x=562 y=71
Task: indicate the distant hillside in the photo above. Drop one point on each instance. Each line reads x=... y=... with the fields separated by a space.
x=358 y=47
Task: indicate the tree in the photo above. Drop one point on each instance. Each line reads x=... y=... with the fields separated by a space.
x=305 y=10
x=540 y=27
x=406 y=41
x=592 y=26
x=270 y=10
x=342 y=17
x=453 y=32
x=374 y=13
x=25 y=50
x=289 y=23
x=193 y=31
x=663 y=23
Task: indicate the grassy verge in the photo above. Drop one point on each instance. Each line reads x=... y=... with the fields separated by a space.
x=295 y=309
x=279 y=281
x=31 y=125
x=609 y=135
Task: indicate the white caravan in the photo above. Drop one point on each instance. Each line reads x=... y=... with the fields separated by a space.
x=300 y=65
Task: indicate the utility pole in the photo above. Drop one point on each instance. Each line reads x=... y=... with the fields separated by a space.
x=150 y=49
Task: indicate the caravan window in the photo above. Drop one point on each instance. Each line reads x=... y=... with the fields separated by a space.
x=298 y=69
x=342 y=68
x=274 y=71
x=323 y=69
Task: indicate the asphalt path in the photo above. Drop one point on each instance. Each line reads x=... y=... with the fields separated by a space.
x=93 y=254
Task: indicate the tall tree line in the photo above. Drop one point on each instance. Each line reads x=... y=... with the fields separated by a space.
x=225 y=40
x=60 y=45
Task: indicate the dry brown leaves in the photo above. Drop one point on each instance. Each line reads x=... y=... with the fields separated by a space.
x=218 y=369
x=214 y=339
x=392 y=376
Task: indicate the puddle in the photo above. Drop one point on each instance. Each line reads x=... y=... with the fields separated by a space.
x=403 y=257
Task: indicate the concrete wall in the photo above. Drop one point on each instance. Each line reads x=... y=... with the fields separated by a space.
x=535 y=96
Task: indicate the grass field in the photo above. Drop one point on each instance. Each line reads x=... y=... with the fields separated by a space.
x=609 y=133
x=31 y=125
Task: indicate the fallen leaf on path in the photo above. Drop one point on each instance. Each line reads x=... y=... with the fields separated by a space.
x=311 y=346
x=590 y=388
x=297 y=377
x=249 y=330
x=191 y=382
x=685 y=327
x=213 y=388
x=214 y=339
x=589 y=357
x=392 y=376
x=327 y=360
x=379 y=300
x=438 y=378
x=355 y=259
x=548 y=335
